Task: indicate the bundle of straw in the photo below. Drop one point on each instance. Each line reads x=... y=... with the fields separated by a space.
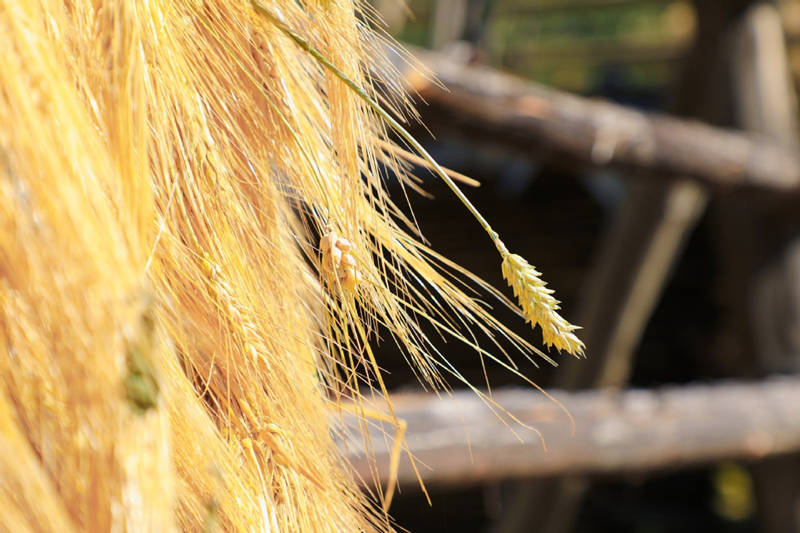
x=196 y=249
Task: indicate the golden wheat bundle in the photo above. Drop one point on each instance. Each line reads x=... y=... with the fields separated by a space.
x=196 y=249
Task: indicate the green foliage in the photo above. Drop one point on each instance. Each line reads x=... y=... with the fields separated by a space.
x=570 y=44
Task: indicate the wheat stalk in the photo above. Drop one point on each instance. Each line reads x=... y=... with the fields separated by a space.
x=191 y=152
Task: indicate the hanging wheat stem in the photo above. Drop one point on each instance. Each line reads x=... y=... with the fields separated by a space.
x=537 y=301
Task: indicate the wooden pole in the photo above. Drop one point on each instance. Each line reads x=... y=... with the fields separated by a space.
x=765 y=102
x=460 y=440
x=568 y=130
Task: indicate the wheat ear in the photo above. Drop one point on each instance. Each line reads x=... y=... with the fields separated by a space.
x=538 y=304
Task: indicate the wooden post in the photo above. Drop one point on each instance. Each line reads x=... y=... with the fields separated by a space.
x=449 y=20
x=766 y=103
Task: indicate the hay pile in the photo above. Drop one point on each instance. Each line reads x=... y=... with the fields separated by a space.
x=173 y=340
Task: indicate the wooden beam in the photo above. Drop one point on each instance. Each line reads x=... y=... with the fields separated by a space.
x=459 y=440
x=559 y=128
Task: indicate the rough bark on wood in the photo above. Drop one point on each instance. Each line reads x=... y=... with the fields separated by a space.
x=458 y=439
x=568 y=130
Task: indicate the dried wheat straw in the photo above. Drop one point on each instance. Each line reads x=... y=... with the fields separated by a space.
x=172 y=339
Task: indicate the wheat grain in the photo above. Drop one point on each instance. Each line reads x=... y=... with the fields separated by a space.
x=539 y=306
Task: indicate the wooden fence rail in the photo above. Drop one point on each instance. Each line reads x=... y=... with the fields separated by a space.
x=458 y=439
x=563 y=128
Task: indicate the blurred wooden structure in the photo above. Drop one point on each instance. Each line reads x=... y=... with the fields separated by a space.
x=741 y=67
x=562 y=129
x=460 y=439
